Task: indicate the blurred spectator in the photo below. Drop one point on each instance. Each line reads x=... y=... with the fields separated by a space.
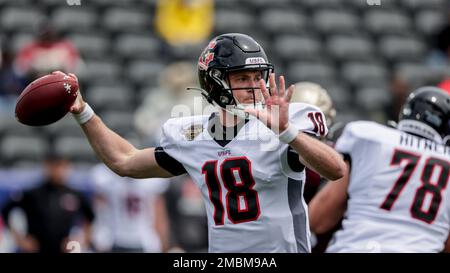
x=189 y=225
x=445 y=85
x=182 y=22
x=131 y=213
x=53 y=213
x=440 y=55
x=47 y=53
x=171 y=94
x=1 y=230
x=11 y=84
x=400 y=90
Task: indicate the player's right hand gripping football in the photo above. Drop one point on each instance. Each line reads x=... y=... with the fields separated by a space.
x=79 y=104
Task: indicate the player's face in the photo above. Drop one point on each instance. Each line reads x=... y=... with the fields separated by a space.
x=247 y=85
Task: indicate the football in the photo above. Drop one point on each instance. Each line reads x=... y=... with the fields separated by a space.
x=47 y=99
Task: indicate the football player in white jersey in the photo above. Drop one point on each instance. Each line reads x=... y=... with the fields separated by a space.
x=250 y=170
x=131 y=212
x=395 y=196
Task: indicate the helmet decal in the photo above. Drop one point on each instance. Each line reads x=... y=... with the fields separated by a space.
x=255 y=60
x=207 y=56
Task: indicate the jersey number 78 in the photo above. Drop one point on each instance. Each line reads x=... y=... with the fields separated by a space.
x=428 y=186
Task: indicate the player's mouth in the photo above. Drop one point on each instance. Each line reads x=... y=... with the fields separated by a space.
x=248 y=101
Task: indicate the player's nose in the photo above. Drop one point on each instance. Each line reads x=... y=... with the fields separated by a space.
x=253 y=84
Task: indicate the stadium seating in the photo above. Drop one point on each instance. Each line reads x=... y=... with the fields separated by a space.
x=76 y=148
x=387 y=22
x=279 y=21
x=330 y=21
x=15 y=147
x=429 y=21
x=20 y=18
x=231 y=20
x=345 y=47
x=129 y=19
x=70 y=19
x=320 y=72
x=349 y=46
x=91 y=45
x=298 y=48
x=112 y=96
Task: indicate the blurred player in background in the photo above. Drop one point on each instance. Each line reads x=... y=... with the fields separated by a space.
x=395 y=196
x=250 y=189
x=445 y=85
x=11 y=83
x=188 y=221
x=53 y=212
x=47 y=53
x=1 y=230
x=131 y=212
x=314 y=94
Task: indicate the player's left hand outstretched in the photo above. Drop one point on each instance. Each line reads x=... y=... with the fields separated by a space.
x=275 y=115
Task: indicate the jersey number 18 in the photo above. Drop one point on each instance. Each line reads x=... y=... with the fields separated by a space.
x=242 y=200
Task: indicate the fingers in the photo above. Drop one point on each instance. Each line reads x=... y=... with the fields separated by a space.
x=73 y=76
x=58 y=72
x=281 y=91
x=265 y=93
x=273 y=84
x=75 y=106
x=282 y=86
x=78 y=106
x=289 y=93
x=64 y=74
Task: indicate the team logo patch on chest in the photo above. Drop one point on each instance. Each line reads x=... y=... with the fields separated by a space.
x=191 y=132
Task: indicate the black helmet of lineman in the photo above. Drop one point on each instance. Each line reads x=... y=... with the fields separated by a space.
x=426 y=112
x=224 y=54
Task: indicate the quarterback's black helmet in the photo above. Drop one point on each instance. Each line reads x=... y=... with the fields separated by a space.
x=224 y=54
x=427 y=112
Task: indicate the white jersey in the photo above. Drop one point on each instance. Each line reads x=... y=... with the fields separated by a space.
x=398 y=199
x=253 y=195
x=129 y=208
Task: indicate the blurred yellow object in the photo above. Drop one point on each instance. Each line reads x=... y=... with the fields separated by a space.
x=184 y=21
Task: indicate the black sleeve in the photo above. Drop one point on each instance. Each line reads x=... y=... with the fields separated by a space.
x=294 y=161
x=348 y=158
x=168 y=163
x=311 y=135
